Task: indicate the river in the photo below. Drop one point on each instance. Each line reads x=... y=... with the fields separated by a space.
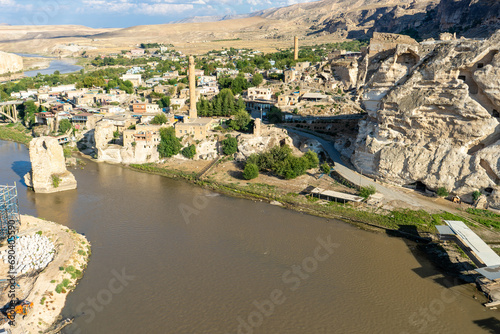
x=230 y=265
x=66 y=65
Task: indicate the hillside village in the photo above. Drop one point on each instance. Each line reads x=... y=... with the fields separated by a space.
x=124 y=106
x=111 y=115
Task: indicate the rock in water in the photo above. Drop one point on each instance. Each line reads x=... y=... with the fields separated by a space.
x=48 y=169
x=10 y=63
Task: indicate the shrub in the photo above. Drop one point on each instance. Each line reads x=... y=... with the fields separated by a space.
x=59 y=288
x=325 y=168
x=442 y=192
x=475 y=195
x=251 y=171
x=229 y=145
x=55 y=180
x=189 y=151
x=67 y=151
x=367 y=191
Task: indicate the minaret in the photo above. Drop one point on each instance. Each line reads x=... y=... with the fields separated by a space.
x=193 y=114
x=296 y=46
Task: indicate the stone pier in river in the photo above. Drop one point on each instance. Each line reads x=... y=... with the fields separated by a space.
x=48 y=172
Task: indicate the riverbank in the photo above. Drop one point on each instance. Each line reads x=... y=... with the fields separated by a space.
x=15 y=132
x=47 y=289
x=358 y=214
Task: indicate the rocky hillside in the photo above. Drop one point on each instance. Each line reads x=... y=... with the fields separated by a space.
x=433 y=114
x=10 y=63
x=421 y=19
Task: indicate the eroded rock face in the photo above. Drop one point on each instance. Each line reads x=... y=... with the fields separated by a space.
x=48 y=169
x=10 y=63
x=433 y=117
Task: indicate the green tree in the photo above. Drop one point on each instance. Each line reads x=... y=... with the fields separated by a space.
x=160 y=118
x=275 y=115
x=240 y=121
x=251 y=171
x=239 y=84
x=169 y=145
x=189 y=151
x=257 y=79
x=240 y=105
x=229 y=145
x=367 y=191
x=312 y=159
x=27 y=113
x=64 y=125
x=164 y=102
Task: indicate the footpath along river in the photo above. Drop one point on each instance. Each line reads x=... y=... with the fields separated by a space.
x=170 y=257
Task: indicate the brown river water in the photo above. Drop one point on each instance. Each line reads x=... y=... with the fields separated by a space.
x=170 y=257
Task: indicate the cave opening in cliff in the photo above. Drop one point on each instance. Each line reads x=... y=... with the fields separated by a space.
x=418 y=186
x=466 y=76
x=409 y=59
x=495 y=113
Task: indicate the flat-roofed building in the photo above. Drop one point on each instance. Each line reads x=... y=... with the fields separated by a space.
x=141 y=108
x=135 y=79
x=255 y=93
x=199 y=127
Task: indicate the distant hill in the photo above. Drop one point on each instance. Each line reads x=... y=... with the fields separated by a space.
x=313 y=22
x=200 y=19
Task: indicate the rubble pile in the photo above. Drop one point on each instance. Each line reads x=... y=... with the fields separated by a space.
x=32 y=252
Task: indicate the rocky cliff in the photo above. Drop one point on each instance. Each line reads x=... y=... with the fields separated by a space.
x=10 y=63
x=48 y=172
x=433 y=115
x=421 y=19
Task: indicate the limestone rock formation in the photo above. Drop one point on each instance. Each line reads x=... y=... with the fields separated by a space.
x=48 y=169
x=433 y=116
x=10 y=63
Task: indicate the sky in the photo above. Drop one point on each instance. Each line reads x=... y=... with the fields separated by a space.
x=123 y=13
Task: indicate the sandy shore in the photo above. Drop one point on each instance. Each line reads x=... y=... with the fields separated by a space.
x=71 y=257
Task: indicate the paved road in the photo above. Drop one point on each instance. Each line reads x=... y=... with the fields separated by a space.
x=355 y=177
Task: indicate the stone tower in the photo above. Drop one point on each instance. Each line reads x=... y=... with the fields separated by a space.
x=193 y=114
x=296 y=48
x=256 y=129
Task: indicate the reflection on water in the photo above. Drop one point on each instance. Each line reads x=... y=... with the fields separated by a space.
x=213 y=272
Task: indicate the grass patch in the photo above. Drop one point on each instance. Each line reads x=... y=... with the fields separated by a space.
x=482 y=213
x=42 y=301
x=15 y=132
